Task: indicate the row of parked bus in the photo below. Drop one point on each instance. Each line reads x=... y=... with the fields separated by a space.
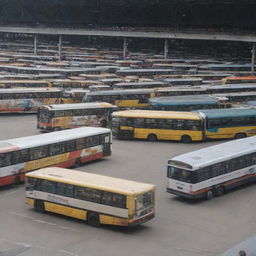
x=153 y=125
x=105 y=200
x=95 y=198
x=23 y=100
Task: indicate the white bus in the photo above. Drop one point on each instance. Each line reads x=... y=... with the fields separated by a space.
x=95 y=198
x=63 y=149
x=213 y=170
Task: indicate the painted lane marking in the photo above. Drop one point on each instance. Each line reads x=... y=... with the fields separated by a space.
x=68 y=253
x=43 y=222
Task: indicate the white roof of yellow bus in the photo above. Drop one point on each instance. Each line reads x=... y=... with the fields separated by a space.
x=24 y=81
x=157 y=114
x=28 y=90
x=49 y=138
x=92 y=180
x=79 y=106
x=74 y=81
x=218 y=153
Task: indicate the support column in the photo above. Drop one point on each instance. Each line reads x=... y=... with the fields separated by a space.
x=253 y=58
x=60 y=46
x=166 y=48
x=35 y=44
x=125 y=48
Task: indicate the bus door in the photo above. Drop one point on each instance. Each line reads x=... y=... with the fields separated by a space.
x=106 y=144
x=204 y=124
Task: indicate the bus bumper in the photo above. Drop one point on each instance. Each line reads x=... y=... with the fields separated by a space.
x=182 y=194
x=141 y=220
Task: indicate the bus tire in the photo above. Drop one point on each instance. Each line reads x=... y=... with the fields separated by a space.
x=77 y=163
x=93 y=219
x=186 y=139
x=209 y=194
x=104 y=123
x=240 y=136
x=56 y=129
x=220 y=191
x=39 y=206
x=17 y=180
x=152 y=137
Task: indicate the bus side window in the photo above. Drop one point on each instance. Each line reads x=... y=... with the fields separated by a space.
x=59 y=113
x=88 y=194
x=223 y=168
x=70 y=145
x=215 y=170
x=39 y=152
x=80 y=143
x=30 y=184
x=5 y=159
x=65 y=189
x=113 y=199
x=138 y=122
x=47 y=186
x=204 y=174
x=67 y=112
x=241 y=162
x=20 y=156
x=253 y=158
x=57 y=148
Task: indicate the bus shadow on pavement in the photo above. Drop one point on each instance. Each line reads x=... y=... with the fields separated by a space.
x=113 y=228
x=249 y=186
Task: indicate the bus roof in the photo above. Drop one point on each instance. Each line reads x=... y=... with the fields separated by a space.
x=121 y=92
x=29 y=90
x=78 y=106
x=218 y=153
x=183 y=100
x=49 y=138
x=24 y=81
x=92 y=180
x=157 y=114
x=139 y=83
x=228 y=112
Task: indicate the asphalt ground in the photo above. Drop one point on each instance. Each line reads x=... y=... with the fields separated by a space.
x=182 y=227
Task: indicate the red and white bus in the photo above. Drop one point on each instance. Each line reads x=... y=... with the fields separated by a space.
x=63 y=149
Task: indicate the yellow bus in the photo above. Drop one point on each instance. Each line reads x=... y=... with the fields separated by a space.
x=65 y=116
x=161 y=125
x=68 y=83
x=94 y=198
x=28 y=100
x=64 y=149
x=138 y=98
x=24 y=83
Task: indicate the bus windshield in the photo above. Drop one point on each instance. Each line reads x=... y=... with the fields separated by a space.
x=44 y=115
x=180 y=174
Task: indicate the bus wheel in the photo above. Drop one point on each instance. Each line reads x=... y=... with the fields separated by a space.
x=39 y=206
x=186 y=139
x=240 y=136
x=77 y=163
x=220 y=191
x=93 y=219
x=209 y=194
x=56 y=129
x=17 y=180
x=152 y=137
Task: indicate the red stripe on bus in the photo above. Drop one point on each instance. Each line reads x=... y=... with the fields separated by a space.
x=225 y=184
x=44 y=124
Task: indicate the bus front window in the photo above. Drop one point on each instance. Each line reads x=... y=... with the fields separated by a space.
x=144 y=201
x=44 y=116
x=179 y=174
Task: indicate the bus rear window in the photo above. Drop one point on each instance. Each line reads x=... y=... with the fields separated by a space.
x=180 y=174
